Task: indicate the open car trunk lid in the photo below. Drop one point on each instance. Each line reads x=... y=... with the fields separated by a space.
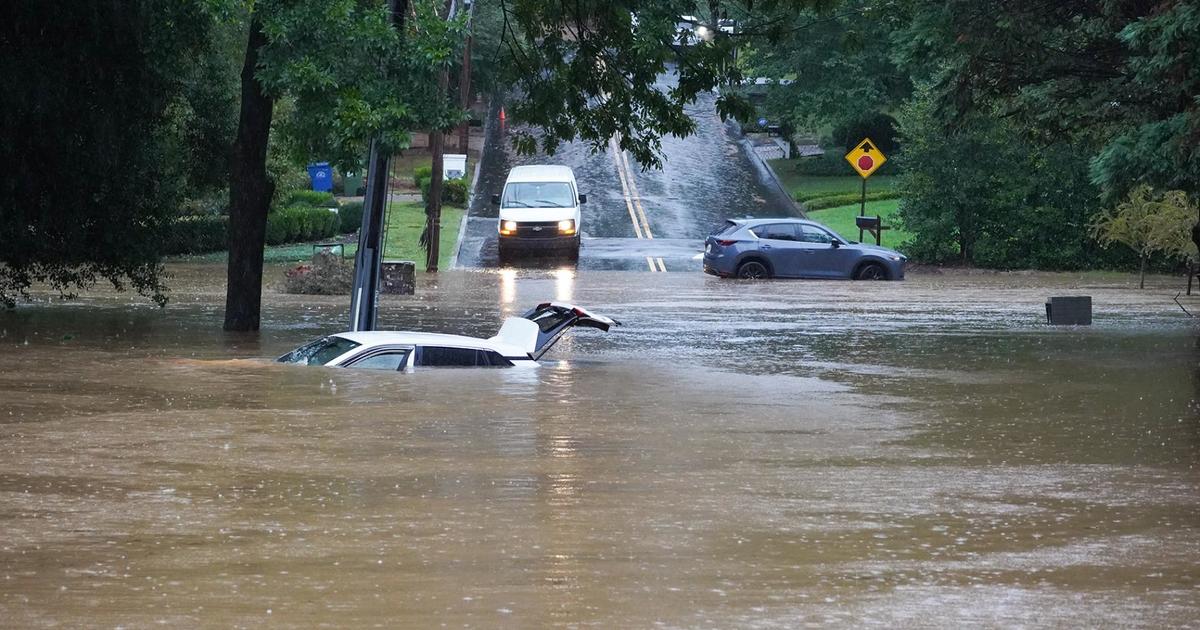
x=538 y=329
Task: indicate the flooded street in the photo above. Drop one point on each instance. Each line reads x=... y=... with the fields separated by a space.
x=633 y=214
x=774 y=454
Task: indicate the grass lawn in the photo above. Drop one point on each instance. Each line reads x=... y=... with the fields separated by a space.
x=832 y=184
x=841 y=220
x=405 y=222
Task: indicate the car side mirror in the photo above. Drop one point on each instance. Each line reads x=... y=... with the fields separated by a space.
x=495 y=200
x=582 y=198
x=835 y=243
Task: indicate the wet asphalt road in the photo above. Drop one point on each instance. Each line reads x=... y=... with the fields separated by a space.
x=651 y=220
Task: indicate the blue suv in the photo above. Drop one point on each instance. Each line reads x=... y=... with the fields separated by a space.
x=795 y=248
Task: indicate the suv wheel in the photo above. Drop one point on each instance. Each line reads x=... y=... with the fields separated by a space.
x=753 y=270
x=871 y=271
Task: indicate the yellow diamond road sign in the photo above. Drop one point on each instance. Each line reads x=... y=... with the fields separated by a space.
x=866 y=158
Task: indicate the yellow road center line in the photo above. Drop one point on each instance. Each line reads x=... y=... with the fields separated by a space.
x=637 y=197
x=624 y=187
x=662 y=265
x=650 y=261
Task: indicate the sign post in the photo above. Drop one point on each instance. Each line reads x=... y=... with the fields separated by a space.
x=866 y=158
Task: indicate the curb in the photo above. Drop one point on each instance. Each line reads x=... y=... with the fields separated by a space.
x=462 y=225
x=796 y=208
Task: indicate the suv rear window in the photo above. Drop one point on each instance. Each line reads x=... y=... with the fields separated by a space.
x=776 y=231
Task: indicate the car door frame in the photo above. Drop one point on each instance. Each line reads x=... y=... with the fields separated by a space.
x=829 y=260
x=786 y=257
x=372 y=351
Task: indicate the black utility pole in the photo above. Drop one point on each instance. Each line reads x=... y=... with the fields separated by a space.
x=364 y=296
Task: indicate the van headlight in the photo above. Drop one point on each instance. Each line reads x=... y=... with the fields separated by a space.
x=508 y=227
x=566 y=226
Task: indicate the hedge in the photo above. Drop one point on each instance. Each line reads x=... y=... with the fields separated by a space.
x=196 y=235
x=833 y=201
x=301 y=223
x=454 y=191
x=834 y=163
x=313 y=198
x=351 y=217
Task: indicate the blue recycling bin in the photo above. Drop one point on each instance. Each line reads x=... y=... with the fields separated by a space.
x=321 y=175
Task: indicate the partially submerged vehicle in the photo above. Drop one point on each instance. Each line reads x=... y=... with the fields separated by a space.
x=520 y=342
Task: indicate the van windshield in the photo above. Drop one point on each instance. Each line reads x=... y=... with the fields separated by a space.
x=538 y=195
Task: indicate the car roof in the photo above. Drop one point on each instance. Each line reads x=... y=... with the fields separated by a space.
x=763 y=221
x=407 y=338
x=541 y=173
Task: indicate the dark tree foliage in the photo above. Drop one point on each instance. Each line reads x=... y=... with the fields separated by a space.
x=594 y=69
x=89 y=140
x=1124 y=74
x=839 y=68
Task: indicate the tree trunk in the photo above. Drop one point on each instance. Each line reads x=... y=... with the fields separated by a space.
x=433 y=207
x=1142 y=274
x=250 y=191
x=464 y=93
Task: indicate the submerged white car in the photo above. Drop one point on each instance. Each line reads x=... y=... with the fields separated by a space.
x=520 y=342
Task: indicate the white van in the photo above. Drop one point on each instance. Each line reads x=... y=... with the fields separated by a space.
x=539 y=209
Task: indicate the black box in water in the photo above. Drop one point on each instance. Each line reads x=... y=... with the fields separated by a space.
x=1069 y=311
x=398 y=277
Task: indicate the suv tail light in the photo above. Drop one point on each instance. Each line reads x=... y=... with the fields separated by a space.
x=725 y=242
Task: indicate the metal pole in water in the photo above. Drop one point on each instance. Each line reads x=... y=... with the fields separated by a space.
x=364 y=300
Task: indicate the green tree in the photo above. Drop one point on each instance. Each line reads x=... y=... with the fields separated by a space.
x=95 y=144
x=839 y=69
x=590 y=70
x=1147 y=223
x=978 y=193
x=354 y=69
x=1124 y=75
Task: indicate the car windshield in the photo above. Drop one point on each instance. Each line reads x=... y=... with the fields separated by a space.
x=319 y=352
x=538 y=195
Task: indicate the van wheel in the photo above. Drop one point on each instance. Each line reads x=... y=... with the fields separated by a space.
x=871 y=271
x=753 y=270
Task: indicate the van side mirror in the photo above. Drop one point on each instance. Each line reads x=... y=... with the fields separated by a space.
x=582 y=198
x=495 y=200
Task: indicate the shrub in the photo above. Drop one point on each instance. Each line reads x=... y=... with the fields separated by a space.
x=312 y=198
x=351 y=217
x=279 y=227
x=196 y=235
x=422 y=173
x=454 y=191
x=833 y=201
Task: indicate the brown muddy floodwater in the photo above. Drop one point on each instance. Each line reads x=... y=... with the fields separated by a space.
x=777 y=454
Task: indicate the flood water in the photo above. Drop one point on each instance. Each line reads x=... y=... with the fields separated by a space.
x=772 y=454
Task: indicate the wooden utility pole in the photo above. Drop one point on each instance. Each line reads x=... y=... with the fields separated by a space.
x=464 y=88
x=437 y=146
